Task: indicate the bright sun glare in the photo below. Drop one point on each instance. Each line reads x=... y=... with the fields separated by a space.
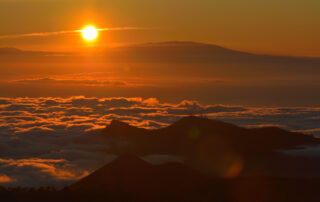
x=90 y=33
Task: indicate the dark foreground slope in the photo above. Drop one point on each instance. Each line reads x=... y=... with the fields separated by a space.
x=136 y=179
x=129 y=178
x=132 y=176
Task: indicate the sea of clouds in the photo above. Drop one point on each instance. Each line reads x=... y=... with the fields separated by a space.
x=54 y=141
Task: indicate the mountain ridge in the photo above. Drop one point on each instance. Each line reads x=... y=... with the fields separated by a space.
x=184 y=128
x=168 y=44
x=215 y=147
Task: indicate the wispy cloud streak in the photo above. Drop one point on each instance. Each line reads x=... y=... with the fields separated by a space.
x=43 y=34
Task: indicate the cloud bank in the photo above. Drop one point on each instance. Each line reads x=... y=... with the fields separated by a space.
x=52 y=140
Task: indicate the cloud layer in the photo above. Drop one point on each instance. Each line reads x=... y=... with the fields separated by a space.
x=52 y=141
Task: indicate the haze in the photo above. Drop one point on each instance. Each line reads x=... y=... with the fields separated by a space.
x=265 y=26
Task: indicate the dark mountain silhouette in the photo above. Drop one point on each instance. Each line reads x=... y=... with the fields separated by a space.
x=192 y=52
x=169 y=52
x=137 y=180
x=188 y=131
x=129 y=178
x=132 y=176
x=217 y=148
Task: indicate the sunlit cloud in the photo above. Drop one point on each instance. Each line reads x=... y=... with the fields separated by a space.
x=44 y=34
x=49 y=166
x=5 y=179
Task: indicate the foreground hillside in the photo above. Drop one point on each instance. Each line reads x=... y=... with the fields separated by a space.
x=129 y=178
x=132 y=177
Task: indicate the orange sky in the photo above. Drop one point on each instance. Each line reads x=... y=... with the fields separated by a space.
x=265 y=26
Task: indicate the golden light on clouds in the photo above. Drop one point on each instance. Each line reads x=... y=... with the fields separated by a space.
x=5 y=179
x=90 y=33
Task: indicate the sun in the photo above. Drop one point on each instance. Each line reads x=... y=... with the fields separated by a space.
x=90 y=33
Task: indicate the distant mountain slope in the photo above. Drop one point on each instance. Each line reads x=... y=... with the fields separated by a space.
x=192 y=52
x=7 y=50
x=167 y=52
x=9 y=54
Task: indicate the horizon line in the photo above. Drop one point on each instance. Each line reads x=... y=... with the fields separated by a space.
x=147 y=43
